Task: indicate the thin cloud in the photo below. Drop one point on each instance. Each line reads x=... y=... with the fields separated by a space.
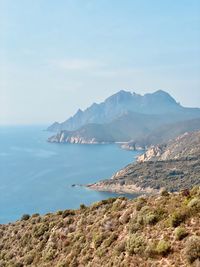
x=76 y=64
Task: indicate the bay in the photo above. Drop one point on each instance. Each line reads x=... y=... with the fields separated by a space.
x=37 y=176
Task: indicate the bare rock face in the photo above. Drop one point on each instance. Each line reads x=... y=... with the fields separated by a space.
x=152 y=153
x=186 y=145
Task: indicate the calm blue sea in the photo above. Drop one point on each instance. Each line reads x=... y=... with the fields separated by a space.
x=36 y=176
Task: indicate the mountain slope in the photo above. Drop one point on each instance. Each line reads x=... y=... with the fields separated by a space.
x=142 y=128
x=163 y=134
x=152 y=231
x=122 y=102
x=186 y=145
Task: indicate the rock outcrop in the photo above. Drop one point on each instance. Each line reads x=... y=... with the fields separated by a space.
x=186 y=145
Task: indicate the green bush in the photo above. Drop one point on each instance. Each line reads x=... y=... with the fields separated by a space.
x=177 y=218
x=82 y=206
x=25 y=217
x=141 y=202
x=163 y=247
x=180 y=233
x=164 y=193
x=151 y=218
x=98 y=239
x=194 y=204
x=192 y=249
x=135 y=244
x=67 y=213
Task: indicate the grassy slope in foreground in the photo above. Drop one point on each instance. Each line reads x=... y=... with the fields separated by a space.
x=156 y=231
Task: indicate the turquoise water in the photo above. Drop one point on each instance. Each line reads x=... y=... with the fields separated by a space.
x=36 y=176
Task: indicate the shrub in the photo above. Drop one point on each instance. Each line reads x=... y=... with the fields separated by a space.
x=151 y=218
x=110 y=240
x=180 y=233
x=28 y=259
x=135 y=244
x=25 y=217
x=192 y=249
x=35 y=215
x=59 y=212
x=163 y=247
x=40 y=230
x=97 y=240
x=134 y=226
x=140 y=203
x=120 y=247
x=151 y=250
x=49 y=255
x=17 y=264
x=194 y=204
x=82 y=206
x=177 y=218
x=185 y=192
x=164 y=193
x=67 y=213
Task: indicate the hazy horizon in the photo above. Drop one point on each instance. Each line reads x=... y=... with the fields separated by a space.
x=58 y=57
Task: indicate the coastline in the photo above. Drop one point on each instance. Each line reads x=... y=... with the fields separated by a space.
x=121 y=189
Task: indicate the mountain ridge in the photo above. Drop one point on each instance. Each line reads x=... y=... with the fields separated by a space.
x=122 y=117
x=116 y=105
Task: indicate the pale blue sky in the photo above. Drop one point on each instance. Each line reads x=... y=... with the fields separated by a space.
x=57 y=56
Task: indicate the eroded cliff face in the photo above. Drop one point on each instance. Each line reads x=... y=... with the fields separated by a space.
x=151 y=154
x=186 y=145
x=61 y=138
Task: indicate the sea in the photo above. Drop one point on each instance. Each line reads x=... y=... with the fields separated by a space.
x=37 y=176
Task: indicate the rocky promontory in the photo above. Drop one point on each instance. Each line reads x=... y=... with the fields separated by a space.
x=173 y=166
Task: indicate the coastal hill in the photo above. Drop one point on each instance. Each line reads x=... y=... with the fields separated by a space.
x=186 y=145
x=161 y=231
x=122 y=117
x=174 y=166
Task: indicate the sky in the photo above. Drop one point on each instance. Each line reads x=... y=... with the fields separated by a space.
x=58 y=56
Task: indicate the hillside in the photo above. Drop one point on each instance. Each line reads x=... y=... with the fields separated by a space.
x=128 y=126
x=156 y=231
x=169 y=131
x=186 y=145
x=173 y=166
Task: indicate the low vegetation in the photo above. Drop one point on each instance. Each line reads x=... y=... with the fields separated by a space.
x=162 y=230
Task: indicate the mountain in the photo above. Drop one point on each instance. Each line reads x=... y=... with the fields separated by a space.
x=174 y=166
x=157 y=231
x=126 y=116
x=120 y=103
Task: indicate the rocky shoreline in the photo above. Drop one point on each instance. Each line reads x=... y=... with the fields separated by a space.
x=173 y=166
x=121 y=189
